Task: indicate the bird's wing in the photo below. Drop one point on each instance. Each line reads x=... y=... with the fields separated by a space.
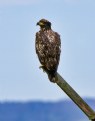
x=48 y=49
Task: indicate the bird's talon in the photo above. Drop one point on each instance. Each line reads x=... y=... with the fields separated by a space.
x=42 y=67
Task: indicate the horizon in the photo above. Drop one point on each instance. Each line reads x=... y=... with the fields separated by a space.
x=45 y=101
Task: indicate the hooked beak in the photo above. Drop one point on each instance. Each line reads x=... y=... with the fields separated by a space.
x=40 y=23
x=37 y=23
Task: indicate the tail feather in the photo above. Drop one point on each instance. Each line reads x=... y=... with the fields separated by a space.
x=52 y=74
x=52 y=77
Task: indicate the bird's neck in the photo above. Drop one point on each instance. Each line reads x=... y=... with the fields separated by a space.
x=45 y=28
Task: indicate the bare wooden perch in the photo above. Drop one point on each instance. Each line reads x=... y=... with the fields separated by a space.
x=74 y=96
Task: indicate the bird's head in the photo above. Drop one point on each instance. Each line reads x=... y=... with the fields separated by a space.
x=44 y=24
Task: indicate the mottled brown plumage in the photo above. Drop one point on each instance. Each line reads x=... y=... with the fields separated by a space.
x=48 y=48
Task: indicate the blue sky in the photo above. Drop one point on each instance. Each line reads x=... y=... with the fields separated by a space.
x=20 y=77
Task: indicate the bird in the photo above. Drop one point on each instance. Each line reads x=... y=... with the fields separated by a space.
x=48 y=48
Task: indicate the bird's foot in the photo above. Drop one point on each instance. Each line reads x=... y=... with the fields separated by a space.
x=42 y=67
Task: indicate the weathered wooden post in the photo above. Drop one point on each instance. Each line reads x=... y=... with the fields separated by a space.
x=74 y=96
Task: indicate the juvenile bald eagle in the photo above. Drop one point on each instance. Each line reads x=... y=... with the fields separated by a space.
x=48 y=48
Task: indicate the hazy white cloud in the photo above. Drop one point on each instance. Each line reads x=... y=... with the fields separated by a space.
x=27 y=2
x=18 y=2
x=71 y=1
